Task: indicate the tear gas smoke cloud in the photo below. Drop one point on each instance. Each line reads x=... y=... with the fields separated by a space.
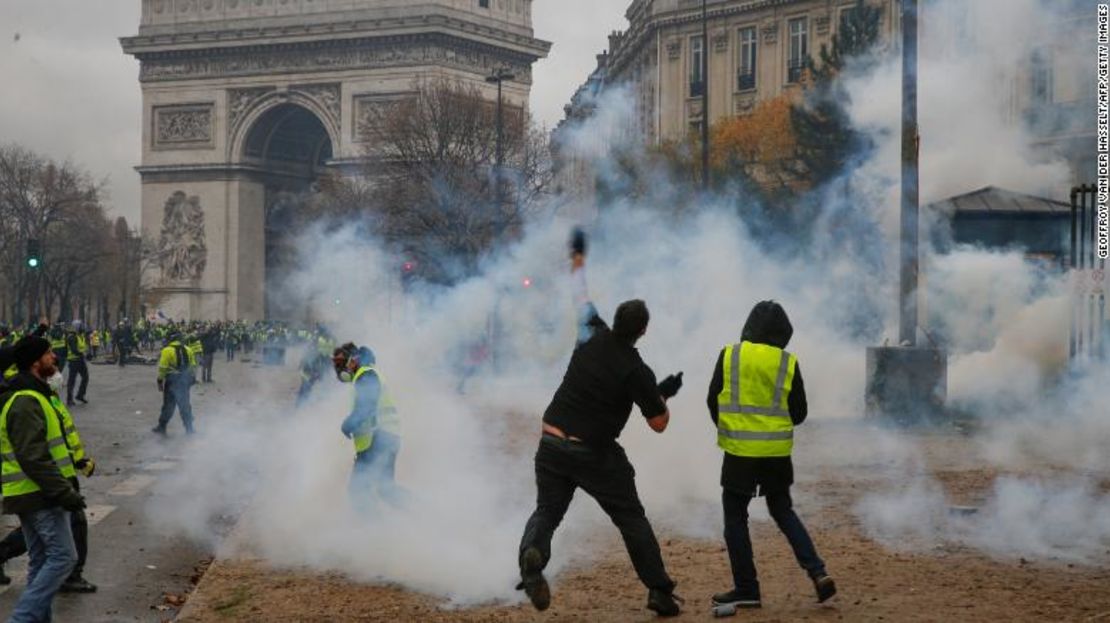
x=466 y=458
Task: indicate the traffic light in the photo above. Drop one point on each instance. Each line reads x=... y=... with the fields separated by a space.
x=526 y=282
x=34 y=253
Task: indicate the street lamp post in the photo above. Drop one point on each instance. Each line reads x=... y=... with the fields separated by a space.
x=498 y=76
x=704 y=97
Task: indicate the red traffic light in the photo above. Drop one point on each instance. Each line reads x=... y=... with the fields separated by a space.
x=527 y=282
x=408 y=267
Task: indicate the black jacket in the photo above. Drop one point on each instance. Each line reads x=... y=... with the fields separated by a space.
x=27 y=433
x=767 y=324
x=604 y=379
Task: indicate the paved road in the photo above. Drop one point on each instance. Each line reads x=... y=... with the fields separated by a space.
x=133 y=560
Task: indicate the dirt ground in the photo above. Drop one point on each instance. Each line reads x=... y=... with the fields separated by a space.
x=945 y=583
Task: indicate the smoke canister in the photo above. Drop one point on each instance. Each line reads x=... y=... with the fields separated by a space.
x=724 y=610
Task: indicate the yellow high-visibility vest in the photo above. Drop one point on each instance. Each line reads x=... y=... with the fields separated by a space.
x=82 y=346
x=753 y=415
x=69 y=429
x=387 y=413
x=13 y=482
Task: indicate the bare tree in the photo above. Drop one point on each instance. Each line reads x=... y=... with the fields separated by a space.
x=59 y=206
x=437 y=190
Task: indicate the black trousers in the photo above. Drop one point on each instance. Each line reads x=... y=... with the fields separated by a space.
x=563 y=466
x=14 y=544
x=206 y=368
x=77 y=367
x=739 y=542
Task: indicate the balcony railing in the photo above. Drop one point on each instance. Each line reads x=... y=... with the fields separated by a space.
x=795 y=69
x=745 y=81
x=697 y=88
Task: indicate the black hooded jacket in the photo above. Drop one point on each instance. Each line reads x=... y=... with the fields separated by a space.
x=767 y=324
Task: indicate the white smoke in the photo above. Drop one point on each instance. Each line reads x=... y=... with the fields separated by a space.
x=466 y=457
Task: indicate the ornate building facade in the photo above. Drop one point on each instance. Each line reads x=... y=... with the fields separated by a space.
x=243 y=99
x=756 y=49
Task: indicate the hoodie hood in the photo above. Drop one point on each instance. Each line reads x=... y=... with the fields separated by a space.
x=768 y=324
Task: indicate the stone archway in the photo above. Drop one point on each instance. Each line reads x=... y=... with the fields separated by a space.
x=288 y=147
x=245 y=101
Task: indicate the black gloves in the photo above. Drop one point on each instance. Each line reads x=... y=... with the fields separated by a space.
x=86 y=466
x=577 y=242
x=72 y=501
x=670 y=386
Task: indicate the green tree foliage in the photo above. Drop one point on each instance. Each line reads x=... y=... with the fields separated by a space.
x=828 y=145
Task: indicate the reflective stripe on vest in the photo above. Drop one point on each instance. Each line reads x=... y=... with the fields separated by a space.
x=753 y=412
x=387 y=413
x=69 y=429
x=13 y=482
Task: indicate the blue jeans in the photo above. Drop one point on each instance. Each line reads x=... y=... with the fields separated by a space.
x=740 y=544
x=52 y=557
x=373 y=473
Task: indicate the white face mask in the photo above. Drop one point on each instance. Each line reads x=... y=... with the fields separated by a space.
x=55 y=382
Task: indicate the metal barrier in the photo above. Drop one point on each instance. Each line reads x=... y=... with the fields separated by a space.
x=1089 y=332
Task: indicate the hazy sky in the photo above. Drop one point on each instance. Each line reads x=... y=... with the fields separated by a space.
x=69 y=91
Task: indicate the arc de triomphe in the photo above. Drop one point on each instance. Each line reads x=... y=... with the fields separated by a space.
x=244 y=96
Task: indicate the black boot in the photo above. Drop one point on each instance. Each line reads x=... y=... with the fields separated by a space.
x=532 y=580
x=161 y=430
x=77 y=584
x=664 y=603
x=4 y=579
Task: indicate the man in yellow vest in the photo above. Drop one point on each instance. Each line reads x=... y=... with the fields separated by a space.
x=77 y=348
x=756 y=398
x=14 y=544
x=372 y=425
x=58 y=344
x=35 y=471
x=176 y=376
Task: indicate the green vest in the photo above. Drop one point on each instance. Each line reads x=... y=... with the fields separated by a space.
x=82 y=346
x=387 y=413
x=753 y=415
x=13 y=481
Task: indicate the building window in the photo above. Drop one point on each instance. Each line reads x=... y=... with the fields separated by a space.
x=745 y=62
x=697 y=78
x=846 y=16
x=1040 y=77
x=799 y=48
x=483 y=4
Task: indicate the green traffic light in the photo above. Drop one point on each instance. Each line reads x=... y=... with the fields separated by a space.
x=33 y=262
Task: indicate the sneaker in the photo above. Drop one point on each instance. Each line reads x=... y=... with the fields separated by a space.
x=664 y=603
x=161 y=430
x=825 y=588
x=77 y=584
x=82 y=400
x=532 y=580
x=737 y=598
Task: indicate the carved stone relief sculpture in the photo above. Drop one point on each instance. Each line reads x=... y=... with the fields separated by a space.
x=182 y=252
x=240 y=100
x=183 y=126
